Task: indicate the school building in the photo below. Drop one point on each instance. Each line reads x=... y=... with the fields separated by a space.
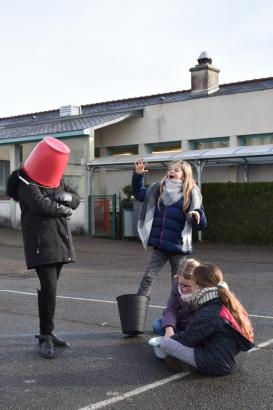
x=224 y=130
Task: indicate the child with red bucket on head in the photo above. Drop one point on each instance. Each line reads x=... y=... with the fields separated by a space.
x=219 y=330
x=46 y=203
x=180 y=307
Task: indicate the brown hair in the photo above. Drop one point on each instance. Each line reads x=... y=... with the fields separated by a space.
x=186 y=268
x=188 y=182
x=209 y=275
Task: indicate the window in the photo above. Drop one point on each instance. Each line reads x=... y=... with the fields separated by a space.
x=160 y=147
x=97 y=152
x=257 y=139
x=123 y=150
x=221 y=142
x=4 y=174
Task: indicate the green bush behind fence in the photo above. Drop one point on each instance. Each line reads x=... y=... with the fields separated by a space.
x=239 y=212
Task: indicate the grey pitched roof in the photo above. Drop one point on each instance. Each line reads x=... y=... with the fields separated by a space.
x=225 y=89
x=28 y=129
x=92 y=114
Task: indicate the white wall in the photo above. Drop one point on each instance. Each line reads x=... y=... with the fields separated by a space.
x=5 y=212
x=76 y=220
x=219 y=116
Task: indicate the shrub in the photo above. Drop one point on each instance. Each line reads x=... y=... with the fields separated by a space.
x=239 y=212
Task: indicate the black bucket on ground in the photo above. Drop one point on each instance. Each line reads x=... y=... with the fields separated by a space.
x=133 y=312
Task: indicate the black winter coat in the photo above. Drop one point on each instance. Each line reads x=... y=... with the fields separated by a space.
x=215 y=340
x=46 y=233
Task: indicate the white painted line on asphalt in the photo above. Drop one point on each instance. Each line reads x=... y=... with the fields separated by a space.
x=143 y=389
x=17 y=291
x=60 y=297
x=104 y=301
x=261 y=345
x=135 y=392
x=260 y=316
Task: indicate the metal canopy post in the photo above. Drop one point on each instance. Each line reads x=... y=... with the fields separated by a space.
x=246 y=169
x=90 y=170
x=199 y=165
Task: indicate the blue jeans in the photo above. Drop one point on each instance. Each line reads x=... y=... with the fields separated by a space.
x=158 y=329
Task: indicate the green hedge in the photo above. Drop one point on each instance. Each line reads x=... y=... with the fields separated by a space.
x=239 y=212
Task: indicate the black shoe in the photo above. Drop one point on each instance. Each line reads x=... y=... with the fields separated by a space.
x=56 y=341
x=46 y=346
x=59 y=342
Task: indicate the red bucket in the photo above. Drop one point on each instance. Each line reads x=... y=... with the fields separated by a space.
x=47 y=162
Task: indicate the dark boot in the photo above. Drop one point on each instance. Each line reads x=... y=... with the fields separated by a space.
x=57 y=341
x=46 y=346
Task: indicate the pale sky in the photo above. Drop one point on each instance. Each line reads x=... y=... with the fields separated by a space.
x=61 y=52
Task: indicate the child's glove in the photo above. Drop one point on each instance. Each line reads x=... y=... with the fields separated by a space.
x=63 y=197
x=63 y=210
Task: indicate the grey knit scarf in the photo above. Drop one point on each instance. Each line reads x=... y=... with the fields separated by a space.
x=205 y=295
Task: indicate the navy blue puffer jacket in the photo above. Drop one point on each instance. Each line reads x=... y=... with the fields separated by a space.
x=168 y=222
x=215 y=337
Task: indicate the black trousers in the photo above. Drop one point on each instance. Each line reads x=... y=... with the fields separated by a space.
x=48 y=276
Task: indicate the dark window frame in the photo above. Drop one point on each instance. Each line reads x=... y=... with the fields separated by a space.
x=127 y=150
x=4 y=174
x=156 y=146
x=250 y=137
x=194 y=143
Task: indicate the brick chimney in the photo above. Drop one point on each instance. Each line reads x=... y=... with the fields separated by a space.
x=204 y=76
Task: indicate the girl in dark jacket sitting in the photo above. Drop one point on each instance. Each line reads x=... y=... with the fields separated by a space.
x=46 y=203
x=220 y=328
x=170 y=209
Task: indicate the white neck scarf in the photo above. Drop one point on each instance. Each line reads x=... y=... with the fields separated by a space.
x=172 y=191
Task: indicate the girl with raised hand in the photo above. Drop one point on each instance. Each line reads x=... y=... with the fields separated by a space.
x=171 y=207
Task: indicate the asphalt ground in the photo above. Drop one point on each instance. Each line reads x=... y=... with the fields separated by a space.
x=105 y=369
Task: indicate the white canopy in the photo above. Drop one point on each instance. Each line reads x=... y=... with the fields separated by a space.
x=255 y=154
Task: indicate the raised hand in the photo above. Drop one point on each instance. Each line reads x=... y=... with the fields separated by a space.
x=140 y=167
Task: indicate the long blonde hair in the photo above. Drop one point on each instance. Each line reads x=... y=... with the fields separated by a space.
x=209 y=275
x=188 y=183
